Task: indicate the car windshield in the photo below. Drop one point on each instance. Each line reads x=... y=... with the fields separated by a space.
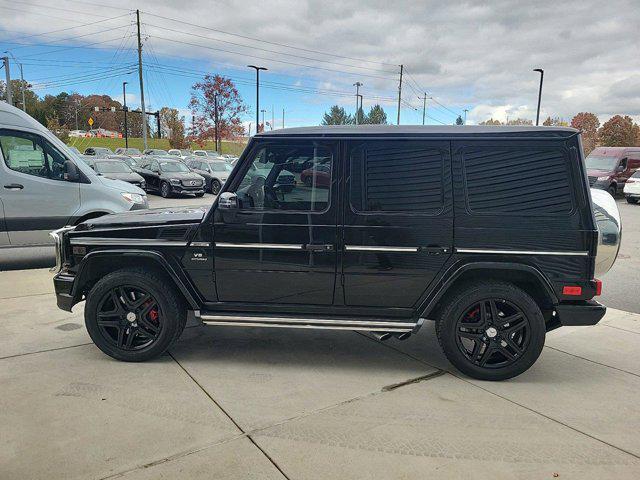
x=103 y=151
x=185 y=152
x=212 y=153
x=601 y=162
x=131 y=151
x=220 y=167
x=174 y=167
x=112 y=167
x=158 y=152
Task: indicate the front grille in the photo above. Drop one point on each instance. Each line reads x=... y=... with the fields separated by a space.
x=592 y=181
x=192 y=183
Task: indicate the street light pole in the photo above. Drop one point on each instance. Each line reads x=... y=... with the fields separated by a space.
x=465 y=116
x=124 y=107
x=357 y=85
x=263 y=124
x=8 y=76
x=257 y=69
x=541 y=71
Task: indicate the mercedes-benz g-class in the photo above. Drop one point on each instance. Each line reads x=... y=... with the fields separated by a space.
x=488 y=231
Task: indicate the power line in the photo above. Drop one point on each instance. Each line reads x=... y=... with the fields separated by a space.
x=87 y=45
x=58 y=9
x=51 y=44
x=269 y=42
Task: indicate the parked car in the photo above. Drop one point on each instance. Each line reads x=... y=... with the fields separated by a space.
x=46 y=186
x=632 y=188
x=98 y=151
x=284 y=182
x=155 y=152
x=200 y=153
x=609 y=168
x=417 y=223
x=168 y=176
x=319 y=175
x=215 y=172
x=118 y=170
x=129 y=152
x=183 y=154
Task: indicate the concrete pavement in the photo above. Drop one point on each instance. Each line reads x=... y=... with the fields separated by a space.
x=257 y=403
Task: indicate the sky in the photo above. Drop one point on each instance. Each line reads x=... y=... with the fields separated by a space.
x=477 y=56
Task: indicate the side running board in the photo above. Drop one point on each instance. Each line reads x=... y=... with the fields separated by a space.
x=376 y=325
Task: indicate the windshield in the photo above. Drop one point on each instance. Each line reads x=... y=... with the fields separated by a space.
x=103 y=151
x=174 y=167
x=220 y=167
x=112 y=167
x=132 y=151
x=600 y=162
x=185 y=152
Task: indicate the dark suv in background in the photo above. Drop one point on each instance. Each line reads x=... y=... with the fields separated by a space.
x=406 y=225
x=170 y=177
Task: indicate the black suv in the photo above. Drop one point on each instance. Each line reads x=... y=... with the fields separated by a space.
x=488 y=231
x=169 y=177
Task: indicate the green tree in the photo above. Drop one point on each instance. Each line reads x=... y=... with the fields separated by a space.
x=619 y=131
x=459 y=120
x=555 y=122
x=376 y=116
x=491 y=121
x=58 y=130
x=520 y=121
x=588 y=124
x=172 y=125
x=337 y=116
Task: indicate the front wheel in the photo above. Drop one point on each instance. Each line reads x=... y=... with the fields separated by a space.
x=491 y=330
x=215 y=186
x=133 y=315
x=612 y=190
x=165 y=190
x=632 y=200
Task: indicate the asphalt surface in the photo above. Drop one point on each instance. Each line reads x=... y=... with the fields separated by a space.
x=620 y=285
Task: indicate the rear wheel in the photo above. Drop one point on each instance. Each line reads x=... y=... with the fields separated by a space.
x=612 y=190
x=133 y=315
x=165 y=190
x=491 y=330
x=215 y=186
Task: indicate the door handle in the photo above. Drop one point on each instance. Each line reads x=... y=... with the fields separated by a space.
x=433 y=250
x=314 y=247
x=14 y=186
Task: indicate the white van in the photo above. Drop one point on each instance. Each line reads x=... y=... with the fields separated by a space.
x=44 y=185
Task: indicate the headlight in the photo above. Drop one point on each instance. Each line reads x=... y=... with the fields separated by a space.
x=134 y=197
x=174 y=181
x=603 y=179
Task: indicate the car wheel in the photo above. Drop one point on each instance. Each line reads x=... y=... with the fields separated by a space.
x=134 y=315
x=199 y=194
x=215 y=186
x=612 y=190
x=491 y=330
x=632 y=200
x=308 y=181
x=165 y=190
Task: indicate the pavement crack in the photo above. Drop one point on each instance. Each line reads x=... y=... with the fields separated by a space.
x=228 y=415
x=45 y=351
x=622 y=329
x=411 y=381
x=591 y=361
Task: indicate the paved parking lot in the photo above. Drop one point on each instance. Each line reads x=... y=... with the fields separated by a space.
x=258 y=403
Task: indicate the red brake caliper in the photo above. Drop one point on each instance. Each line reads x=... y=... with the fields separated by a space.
x=153 y=314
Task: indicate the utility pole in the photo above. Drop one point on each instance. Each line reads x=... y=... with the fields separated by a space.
x=541 y=71
x=263 y=112
x=400 y=92
x=215 y=121
x=283 y=118
x=465 y=116
x=257 y=69
x=357 y=85
x=273 y=118
x=22 y=87
x=142 y=107
x=124 y=107
x=8 y=76
x=424 y=106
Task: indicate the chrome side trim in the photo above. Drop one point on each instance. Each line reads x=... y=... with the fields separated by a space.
x=320 y=323
x=200 y=244
x=137 y=242
x=266 y=246
x=380 y=248
x=521 y=252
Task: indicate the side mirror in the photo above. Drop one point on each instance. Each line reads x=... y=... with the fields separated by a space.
x=71 y=173
x=620 y=168
x=228 y=201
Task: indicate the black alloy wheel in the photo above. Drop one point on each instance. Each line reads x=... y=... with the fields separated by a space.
x=493 y=333
x=215 y=186
x=129 y=318
x=612 y=190
x=134 y=314
x=165 y=190
x=490 y=330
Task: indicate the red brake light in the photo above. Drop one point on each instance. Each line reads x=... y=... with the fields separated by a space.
x=571 y=290
x=598 y=287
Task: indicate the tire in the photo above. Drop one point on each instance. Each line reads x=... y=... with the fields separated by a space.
x=199 y=194
x=308 y=181
x=165 y=190
x=112 y=300
x=632 y=200
x=509 y=348
x=612 y=190
x=215 y=187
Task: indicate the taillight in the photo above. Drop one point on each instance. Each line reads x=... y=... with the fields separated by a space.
x=598 y=287
x=571 y=290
